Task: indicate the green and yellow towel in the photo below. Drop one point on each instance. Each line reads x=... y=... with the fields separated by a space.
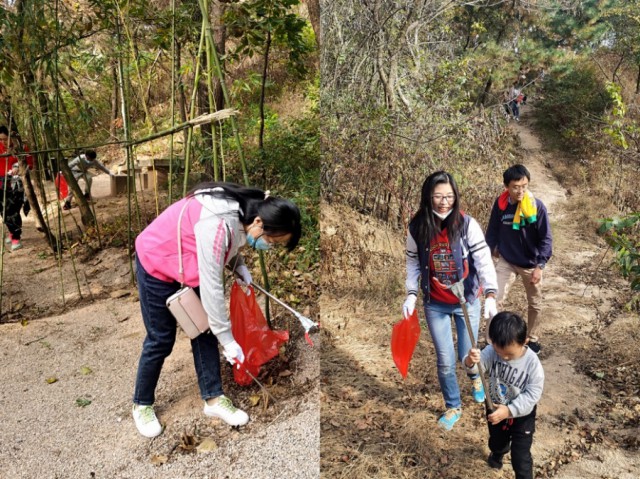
x=526 y=212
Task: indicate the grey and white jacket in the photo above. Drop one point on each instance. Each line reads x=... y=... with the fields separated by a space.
x=471 y=248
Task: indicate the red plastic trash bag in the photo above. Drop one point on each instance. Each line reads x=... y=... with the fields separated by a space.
x=250 y=329
x=61 y=186
x=404 y=338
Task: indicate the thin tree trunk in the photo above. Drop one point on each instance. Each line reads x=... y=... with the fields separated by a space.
x=115 y=101
x=313 y=7
x=263 y=87
x=182 y=97
x=219 y=39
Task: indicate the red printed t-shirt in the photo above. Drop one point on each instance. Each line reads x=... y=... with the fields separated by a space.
x=443 y=271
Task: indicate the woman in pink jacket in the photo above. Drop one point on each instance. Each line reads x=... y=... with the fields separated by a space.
x=216 y=220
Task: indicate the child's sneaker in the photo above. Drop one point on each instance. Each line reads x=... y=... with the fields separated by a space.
x=15 y=244
x=146 y=421
x=449 y=418
x=66 y=206
x=478 y=390
x=224 y=409
x=8 y=239
x=494 y=461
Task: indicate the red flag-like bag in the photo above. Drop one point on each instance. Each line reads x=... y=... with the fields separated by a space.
x=250 y=329
x=61 y=186
x=404 y=338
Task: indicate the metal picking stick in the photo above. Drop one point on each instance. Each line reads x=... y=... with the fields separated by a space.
x=458 y=290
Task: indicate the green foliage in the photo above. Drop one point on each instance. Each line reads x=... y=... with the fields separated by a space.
x=623 y=235
x=574 y=97
x=616 y=119
x=253 y=22
x=291 y=160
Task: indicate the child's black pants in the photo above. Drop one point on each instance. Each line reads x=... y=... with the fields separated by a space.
x=515 y=434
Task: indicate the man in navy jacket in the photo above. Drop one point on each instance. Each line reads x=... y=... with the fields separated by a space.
x=522 y=242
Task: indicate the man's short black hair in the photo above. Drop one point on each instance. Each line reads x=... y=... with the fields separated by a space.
x=91 y=154
x=507 y=328
x=515 y=173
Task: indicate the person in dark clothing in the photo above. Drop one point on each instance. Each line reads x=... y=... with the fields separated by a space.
x=519 y=235
x=9 y=205
x=18 y=202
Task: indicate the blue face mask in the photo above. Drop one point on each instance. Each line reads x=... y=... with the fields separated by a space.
x=259 y=243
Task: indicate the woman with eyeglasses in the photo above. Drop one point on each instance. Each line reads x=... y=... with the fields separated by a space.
x=446 y=246
x=214 y=221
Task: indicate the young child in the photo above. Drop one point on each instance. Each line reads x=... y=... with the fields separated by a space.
x=516 y=380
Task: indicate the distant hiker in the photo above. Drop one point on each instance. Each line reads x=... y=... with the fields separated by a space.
x=519 y=234
x=445 y=246
x=514 y=100
x=506 y=102
x=215 y=221
x=516 y=381
x=80 y=166
x=8 y=203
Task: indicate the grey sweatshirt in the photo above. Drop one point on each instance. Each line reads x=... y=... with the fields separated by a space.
x=80 y=164
x=517 y=384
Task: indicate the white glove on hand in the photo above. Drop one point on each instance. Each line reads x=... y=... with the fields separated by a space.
x=244 y=274
x=233 y=352
x=409 y=305
x=490 y=308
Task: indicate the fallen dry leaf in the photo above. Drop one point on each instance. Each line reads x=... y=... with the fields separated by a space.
x=159 y=459
x=207 y=445
x=51 y=380
x=254 y=400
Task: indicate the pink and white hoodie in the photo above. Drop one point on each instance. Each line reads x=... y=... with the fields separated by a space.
x=211 y=235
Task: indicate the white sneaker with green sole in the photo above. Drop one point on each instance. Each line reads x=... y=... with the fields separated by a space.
x=224 y=409
x=146 y=421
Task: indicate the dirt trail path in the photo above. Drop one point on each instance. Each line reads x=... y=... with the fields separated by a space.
x=67 y=373
x=382 y=426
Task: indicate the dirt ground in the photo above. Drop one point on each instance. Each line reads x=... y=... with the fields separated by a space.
x=68 y=357
x=377 y=425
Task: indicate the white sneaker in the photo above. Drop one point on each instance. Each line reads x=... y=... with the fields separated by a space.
x=146 y=421
x=225 y=410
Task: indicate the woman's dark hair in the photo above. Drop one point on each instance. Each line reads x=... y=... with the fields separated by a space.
x=507 y=328
x=515 y=173
x=4 y=129
x=425 y=220
x=279 y=216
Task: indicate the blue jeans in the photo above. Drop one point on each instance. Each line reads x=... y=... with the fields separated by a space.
x=161 y=336
x=515 y=108
x=439 y=322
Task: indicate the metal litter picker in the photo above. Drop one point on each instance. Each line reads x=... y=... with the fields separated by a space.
x=458 y=290
x=307 y=323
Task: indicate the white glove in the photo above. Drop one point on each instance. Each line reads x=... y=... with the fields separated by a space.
x=245 y=275
x=490 y=308
x=409 y=305
x=233 y=353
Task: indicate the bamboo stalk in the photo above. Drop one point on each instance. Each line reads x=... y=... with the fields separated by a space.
x=192 y=106
x=173 y=106
x=125 y=123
